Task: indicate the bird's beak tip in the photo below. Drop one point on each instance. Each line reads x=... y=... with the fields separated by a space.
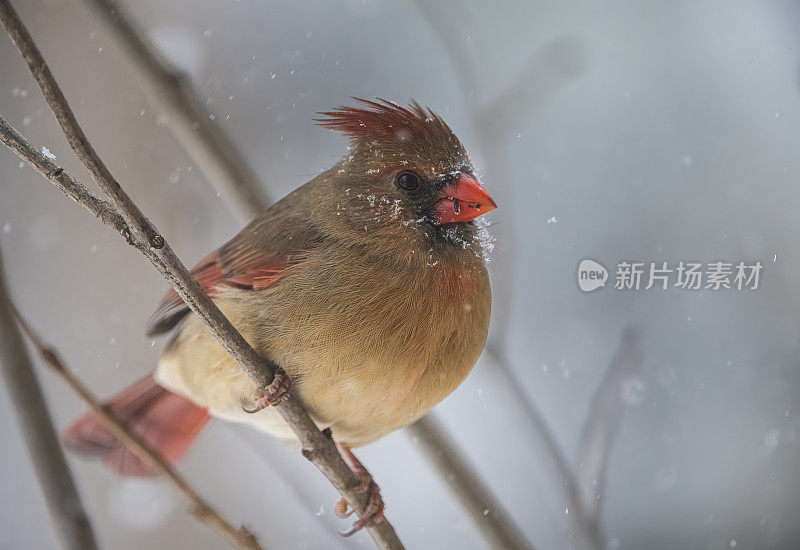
x=463 y=200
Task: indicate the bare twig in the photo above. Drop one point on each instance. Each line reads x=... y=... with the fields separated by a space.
x=496 y=122
x=495 y=129
x=105 y=212
x=171 y=94
x=199 y=508
x=605 y=416
x=486 y=512
x=449 y=24
x=164 y=88
x=546 y=72
x=317 y=447
x=551 y=470
x=71 y=522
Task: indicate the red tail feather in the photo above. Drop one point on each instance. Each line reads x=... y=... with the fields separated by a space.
x=166 y=421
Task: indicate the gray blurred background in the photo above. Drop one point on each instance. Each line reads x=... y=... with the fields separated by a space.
x=672 y=133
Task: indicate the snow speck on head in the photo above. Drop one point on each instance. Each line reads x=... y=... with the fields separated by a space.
x=46 y=152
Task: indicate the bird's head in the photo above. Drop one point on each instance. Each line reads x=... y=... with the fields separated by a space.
x=406 y=175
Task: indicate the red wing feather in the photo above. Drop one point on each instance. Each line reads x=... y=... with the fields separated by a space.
x=247 y=269
x=166 y=421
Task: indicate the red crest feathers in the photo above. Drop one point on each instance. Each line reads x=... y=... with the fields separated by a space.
x=385 y=121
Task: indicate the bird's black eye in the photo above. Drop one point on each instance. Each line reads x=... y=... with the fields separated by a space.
x=408 y=181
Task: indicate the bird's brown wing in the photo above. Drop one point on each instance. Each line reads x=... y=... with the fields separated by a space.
x=254 y=259
x=249 y=269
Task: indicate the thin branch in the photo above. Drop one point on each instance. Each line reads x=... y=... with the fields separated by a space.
x=486 y=512
x=449 y=25
x=604 y=417
x=171 y=95
x=159 y=81
x=66 y=510
x=491 y=120
x=551 y=470
x=317 y=447
x=548 y=70
x=199 y=508
x=61 y=179
x=496 y=121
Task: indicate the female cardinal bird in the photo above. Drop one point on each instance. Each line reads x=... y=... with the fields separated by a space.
x=367 y=285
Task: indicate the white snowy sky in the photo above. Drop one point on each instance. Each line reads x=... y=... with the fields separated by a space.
x=676 y=140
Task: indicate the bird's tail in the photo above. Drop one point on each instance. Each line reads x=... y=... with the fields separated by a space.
x=166 y=421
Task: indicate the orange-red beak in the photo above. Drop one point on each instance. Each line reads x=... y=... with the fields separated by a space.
x=462 y=201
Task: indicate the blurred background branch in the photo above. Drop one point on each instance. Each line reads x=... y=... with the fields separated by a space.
x=317 y=447
x=678 y=142
x=154 y=75
x=547 y=71
x=198 y=507
x=485 y=510
x=602 y=422
x=574 y=501
x=495 y=122
x=55 y=478
x=172 y=96
x=550 y=468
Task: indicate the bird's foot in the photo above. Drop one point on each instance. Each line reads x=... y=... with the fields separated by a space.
x=272 y=394
x=373 y=513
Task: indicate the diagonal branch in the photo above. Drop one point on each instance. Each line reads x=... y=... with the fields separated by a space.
x=200 y=509
x=71 y=522
x=486 y=512
x=101 y=209
x=447 y=20
x=170 y=93
x=163 y=88
x=548 y=70
x=317 y=447
x=552 y=471
x=604 y=417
